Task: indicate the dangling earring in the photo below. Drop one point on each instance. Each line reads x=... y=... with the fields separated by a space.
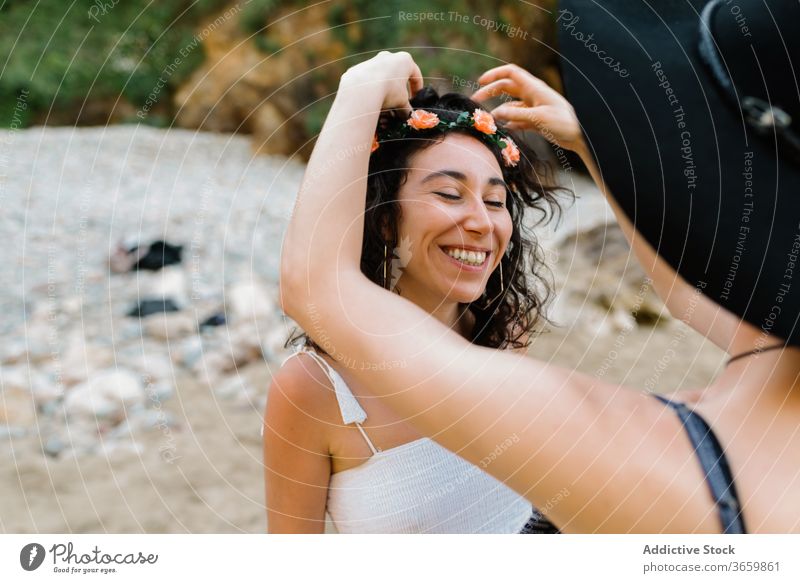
x=385 y=261
x=488 y=303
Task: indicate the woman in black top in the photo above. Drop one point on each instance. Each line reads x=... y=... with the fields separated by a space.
x=629 y=463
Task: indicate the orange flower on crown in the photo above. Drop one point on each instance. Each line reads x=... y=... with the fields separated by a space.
x=484 y=122
x=423 y=120
x=375 y=143
x=510 y=152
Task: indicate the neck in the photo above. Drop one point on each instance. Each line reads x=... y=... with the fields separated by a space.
x=447 y=312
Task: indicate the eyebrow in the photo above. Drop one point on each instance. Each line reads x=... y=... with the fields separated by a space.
x=461 y=177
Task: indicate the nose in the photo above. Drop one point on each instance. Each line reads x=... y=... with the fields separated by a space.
x=476 y=218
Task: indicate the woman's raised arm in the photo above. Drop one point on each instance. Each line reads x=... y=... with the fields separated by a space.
x=594 y=456
x=325 y=232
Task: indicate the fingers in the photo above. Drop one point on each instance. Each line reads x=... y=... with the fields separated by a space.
x=405 y=111
x=415 y=79
x=496 y=88
x=515 y=113
x=509 y=71
x=413 y=84
x=527 y=85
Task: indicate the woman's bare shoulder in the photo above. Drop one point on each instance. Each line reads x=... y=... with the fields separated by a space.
x=303 y=386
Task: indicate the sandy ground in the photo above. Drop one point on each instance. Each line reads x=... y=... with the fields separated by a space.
x=213 y=481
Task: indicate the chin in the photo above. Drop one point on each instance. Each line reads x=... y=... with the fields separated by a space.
x=465 y=296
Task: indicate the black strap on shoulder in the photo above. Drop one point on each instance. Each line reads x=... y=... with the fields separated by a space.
x=715 y=465
x=538 y=524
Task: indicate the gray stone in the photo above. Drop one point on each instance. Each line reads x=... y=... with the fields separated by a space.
x=106 y=394
x=11 y=432
x=170 y=325
x=249 y=300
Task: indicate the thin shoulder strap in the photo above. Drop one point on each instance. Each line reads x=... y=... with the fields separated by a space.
x=351 y=411
x=715 y=465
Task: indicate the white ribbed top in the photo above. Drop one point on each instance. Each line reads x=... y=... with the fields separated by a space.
x=417 y=487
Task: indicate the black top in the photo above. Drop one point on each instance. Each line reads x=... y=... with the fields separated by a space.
x=715 y=466
x=538 y=524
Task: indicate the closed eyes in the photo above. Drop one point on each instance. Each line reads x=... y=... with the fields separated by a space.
x=447 y=196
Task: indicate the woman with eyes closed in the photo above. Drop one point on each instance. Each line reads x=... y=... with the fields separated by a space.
x=720 y=458
x=443 y=228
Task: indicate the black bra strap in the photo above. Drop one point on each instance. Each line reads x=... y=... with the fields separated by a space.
x=538 y=524
x=715 y=465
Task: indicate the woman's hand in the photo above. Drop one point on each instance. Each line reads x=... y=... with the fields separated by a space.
x=395 y=75
x=538 y=107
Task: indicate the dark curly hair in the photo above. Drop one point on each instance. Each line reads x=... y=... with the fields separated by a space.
x=511 y=316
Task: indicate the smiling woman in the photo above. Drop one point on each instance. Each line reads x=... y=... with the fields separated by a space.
x=458 y=223
x=446 y=195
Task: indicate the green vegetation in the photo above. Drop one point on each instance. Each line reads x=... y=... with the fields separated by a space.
x=65 y=53
x=75 y=61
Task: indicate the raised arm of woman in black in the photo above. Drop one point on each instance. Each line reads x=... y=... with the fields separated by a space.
x=622 y=458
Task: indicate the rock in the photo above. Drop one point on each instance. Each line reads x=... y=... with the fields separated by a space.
x=159 y=392
x=148 y=307
x=105 y=395
x=45 y=391
x=232 y=387
x=144 y=256
x=152 y=366
x=156 y=419
x=53 y=446
x=9 y=432
x=603 y=290
x=212 y=366
x=24 y=378
x=72 y=305
x=109 y=448
x=272 y=343
x=233 y=348
x=170 y=283
x=151 y=420
x=269 y=123
x=245 y=346
x=130 y=330
x=78 y=437
x=214 y=320
x=80 y=360
x=15 y=378
x=189 y=352
x=246 y=336
x=35 y=344
x=249 y=300
x=17 y=408
x=230 y=85
x=169 y=326
x=13 y=350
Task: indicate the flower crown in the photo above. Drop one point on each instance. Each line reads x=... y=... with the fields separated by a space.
x=480 y=120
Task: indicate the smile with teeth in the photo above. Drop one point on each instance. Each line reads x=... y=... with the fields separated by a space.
x=474 y=258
